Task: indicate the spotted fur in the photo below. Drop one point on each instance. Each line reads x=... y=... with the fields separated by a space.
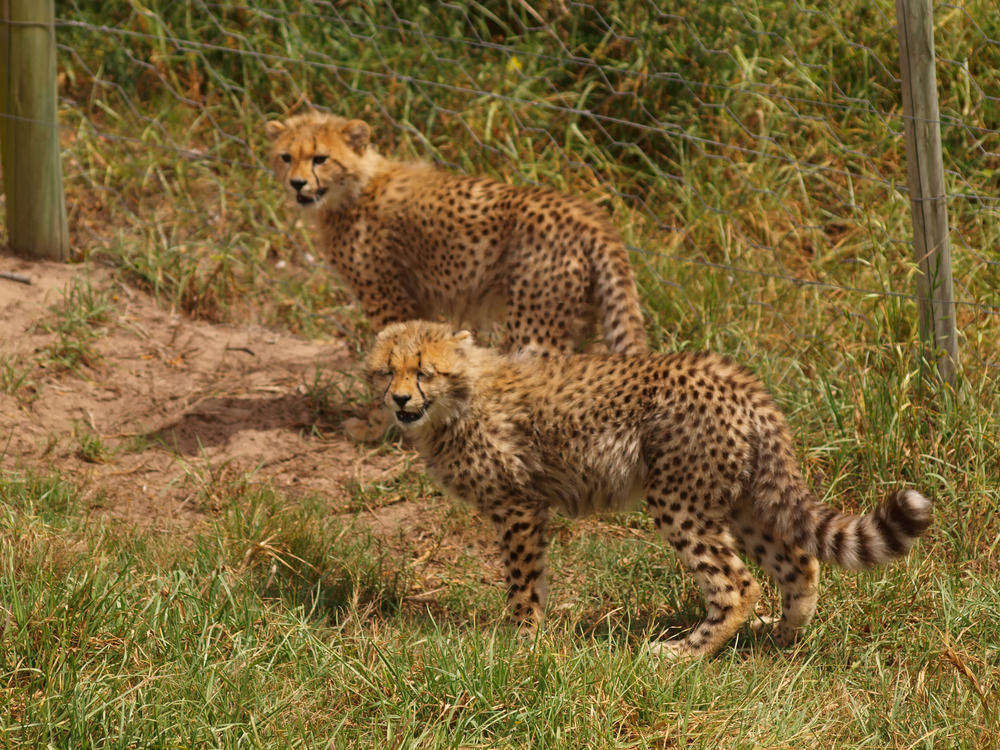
x=412 y=241
x=694 y=435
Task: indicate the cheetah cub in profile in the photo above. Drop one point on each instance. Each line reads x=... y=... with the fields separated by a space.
x=694 y=435
x=411 y=241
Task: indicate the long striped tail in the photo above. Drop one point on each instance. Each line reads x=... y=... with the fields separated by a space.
x=860 y=542
x=856 y=542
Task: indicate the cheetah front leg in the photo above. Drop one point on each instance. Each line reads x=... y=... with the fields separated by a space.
x=521 y=532
x=707 y=549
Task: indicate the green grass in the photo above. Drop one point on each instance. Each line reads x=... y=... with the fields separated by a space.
x=736 y=145
x=750 y=153
x=278 y=626
x=91 y=447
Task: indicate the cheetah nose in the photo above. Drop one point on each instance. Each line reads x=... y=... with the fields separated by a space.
x=400 y=399
x=298 y=184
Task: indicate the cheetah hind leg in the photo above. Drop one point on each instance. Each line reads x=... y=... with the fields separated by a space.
x=730 y=591
x=795 y=571
x=797 y=579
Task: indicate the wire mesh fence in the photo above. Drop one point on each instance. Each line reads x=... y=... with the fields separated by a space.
x=751 y=153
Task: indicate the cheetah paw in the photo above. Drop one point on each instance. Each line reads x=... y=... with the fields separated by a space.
x=368 y=430
x=761 y=623
x=779 y=630
x=671 y=651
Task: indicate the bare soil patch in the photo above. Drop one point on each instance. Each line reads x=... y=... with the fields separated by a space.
x=173 y=402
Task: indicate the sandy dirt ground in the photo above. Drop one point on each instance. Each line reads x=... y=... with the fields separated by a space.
x=172 y=401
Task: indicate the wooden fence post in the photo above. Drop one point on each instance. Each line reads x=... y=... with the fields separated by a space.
x=928 y=205
x=29 y=130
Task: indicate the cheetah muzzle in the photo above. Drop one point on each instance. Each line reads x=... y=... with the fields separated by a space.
x=309 y=200
x=404 y=415
x=409 y=417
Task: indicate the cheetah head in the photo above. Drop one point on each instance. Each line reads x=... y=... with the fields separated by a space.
x=422 y=371
x=321 y=159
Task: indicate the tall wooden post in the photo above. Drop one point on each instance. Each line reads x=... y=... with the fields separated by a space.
x=29 y=132
x=928 y=206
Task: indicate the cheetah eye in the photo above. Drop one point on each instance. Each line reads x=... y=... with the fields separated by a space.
x=424 y=375
x=287 y=158
x=319 y=159
x=383 y=373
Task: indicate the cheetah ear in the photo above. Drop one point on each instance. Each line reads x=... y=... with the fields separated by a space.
x=357 y=134
x=273 y=129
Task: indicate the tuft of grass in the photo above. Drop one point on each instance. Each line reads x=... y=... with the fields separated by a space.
x=214 y=487
x=77 y=323
x=15 y=379
x=91 y=446
x=332 y=396
x=400 y=484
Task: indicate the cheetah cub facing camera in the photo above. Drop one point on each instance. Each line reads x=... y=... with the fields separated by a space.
x=694 y=435
x=411 y=241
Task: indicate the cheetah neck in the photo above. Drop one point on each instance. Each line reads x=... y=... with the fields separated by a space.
x=363 y=173
x=370 y=166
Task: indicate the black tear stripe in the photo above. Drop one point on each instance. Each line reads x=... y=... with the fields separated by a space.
x=388 y=364
x=420 y=366
x=312 y=168
x=312 y=164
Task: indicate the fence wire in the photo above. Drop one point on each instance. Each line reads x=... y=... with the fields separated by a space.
x=752 y=153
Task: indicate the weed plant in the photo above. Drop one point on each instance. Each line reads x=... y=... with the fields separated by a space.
x=76 y=323
x=15 y=379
